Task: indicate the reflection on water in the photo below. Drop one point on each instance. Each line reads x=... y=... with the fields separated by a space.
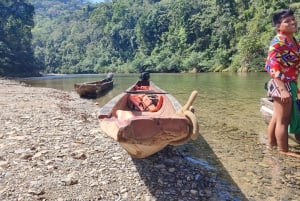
x=231 y=126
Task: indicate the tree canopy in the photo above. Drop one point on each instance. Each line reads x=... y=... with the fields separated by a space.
x=16 y=53
x=74 y=36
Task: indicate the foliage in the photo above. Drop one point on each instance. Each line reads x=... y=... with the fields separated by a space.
x=16 y=53
x=73 y=36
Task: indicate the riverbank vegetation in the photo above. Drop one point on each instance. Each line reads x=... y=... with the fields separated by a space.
x=16 y=53
x=73 y=36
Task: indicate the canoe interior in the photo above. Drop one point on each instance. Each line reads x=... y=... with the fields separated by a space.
x=169 y=107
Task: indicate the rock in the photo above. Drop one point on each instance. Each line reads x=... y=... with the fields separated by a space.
x=36 y=188
x=71 y=179
x=4 y=164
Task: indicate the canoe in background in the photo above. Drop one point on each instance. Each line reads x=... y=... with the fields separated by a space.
x=142 y=132
x=266 y=109
x=93 y=89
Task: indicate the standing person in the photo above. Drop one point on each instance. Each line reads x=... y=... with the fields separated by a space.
x=283 y=64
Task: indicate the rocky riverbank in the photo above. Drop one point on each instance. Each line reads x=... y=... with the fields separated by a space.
x=51 y=148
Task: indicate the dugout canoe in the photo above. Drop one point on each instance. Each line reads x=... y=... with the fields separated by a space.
x=142 y=131
x=93 y=89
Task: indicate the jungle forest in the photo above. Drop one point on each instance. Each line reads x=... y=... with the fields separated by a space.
x=124 y=36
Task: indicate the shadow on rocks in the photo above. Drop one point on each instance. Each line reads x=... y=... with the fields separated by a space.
x=175 y=173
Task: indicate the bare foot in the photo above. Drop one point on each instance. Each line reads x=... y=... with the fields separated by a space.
x=290 y=153
x=271 y=146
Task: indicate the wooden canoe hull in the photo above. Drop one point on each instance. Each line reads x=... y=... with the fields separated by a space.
x=266 y=109
x=142 y=137
x=142 y=134
x=93 y=89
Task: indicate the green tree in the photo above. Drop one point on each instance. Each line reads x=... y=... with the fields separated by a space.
x=73 y=36
x=16 y=53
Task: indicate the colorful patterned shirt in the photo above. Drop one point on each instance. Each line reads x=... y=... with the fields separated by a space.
x=283 y=61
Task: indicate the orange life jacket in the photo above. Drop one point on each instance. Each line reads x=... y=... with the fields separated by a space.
x=144 y=102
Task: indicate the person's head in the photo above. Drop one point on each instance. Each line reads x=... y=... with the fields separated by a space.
x=145 y=76
x=285 y=22
x=109 y=75
x=280 y=15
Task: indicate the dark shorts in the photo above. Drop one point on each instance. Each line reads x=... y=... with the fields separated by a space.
x=273 y=90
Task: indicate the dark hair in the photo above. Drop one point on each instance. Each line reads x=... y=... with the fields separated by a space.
x=145 y=76
x=278 y=16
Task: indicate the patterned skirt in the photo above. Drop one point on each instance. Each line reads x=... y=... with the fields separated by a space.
x=273 y=89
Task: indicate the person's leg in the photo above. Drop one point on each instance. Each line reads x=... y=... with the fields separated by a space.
x=271 y=132
x=283 y=113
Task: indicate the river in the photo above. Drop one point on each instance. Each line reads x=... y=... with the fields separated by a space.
x=232 y=132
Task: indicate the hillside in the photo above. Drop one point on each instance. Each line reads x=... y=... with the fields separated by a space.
x=155 y=35
x=74 y=36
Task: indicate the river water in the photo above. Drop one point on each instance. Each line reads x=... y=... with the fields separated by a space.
x=232 y=132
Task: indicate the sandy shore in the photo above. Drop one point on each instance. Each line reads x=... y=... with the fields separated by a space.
x=51 y=148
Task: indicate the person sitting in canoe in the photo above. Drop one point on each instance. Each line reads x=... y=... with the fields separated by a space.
x=109 y=77
x=143 y=83
x=144 y=102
